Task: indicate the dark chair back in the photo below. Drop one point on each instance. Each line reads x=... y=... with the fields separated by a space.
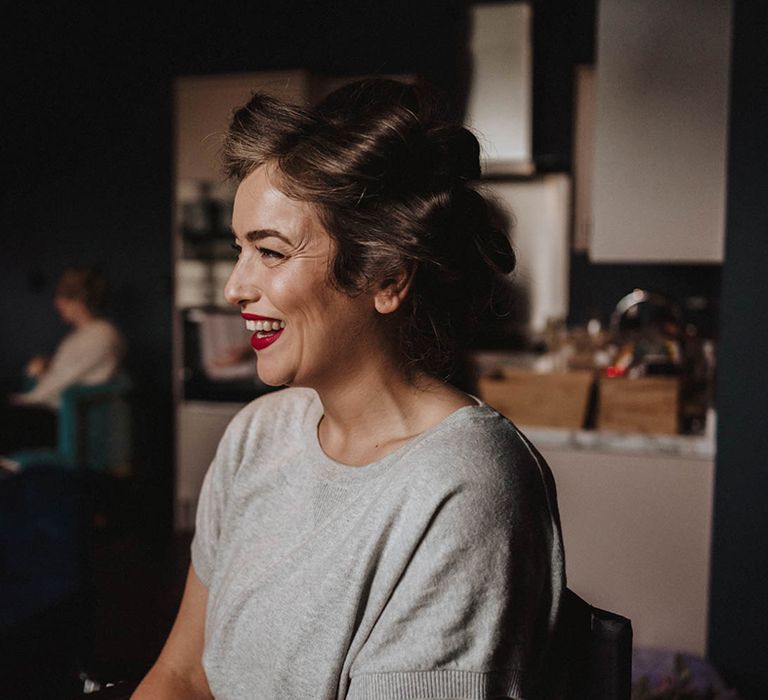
x=94 y=431
x=593 y=650
x=95 y=426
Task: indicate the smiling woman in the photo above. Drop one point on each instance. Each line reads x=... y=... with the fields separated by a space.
x=281 y=278
x=370 y=531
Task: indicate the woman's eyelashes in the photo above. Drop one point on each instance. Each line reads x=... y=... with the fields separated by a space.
x=263 y=252
x=269 y=253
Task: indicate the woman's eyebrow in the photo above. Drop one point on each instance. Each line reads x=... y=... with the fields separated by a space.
x=258 y=234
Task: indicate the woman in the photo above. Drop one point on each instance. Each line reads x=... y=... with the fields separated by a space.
x=370 y=531
x=91 y=353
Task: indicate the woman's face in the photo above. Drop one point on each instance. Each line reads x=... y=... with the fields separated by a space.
x=306 y=333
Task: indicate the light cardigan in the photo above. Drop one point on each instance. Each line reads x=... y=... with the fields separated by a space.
x=91 y=354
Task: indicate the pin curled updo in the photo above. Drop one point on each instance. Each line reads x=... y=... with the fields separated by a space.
x=392 y=183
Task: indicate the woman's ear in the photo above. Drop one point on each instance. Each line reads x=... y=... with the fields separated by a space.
x=393 y=290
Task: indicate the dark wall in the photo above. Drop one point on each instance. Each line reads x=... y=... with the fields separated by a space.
x=738 y=598
x=86 y=154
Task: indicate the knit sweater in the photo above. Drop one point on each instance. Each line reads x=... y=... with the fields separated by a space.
x=435 y=572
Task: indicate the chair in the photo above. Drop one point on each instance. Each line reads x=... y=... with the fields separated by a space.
x=94 y=431
x=592 y=652
x=51 y=505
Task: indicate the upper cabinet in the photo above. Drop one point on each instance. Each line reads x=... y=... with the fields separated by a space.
x=499 y=103
x=660 y=131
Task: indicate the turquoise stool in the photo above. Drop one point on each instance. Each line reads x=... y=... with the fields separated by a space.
x=94 y=431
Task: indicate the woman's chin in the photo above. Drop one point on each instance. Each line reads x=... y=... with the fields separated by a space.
x=269 y=381
x=274 y=378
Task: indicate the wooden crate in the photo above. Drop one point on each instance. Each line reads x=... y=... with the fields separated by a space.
x=643 y=405
x=556 y=399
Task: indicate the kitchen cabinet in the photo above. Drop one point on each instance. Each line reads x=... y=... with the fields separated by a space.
x=660 y=132
x=637 y=526
x=537 y=214
x=499 y=103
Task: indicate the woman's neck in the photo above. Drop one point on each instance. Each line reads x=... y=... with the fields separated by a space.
x=373 y=414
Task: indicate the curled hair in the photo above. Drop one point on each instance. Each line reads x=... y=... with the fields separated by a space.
x=392 y=183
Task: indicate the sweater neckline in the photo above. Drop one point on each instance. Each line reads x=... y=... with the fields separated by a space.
x=327 y=468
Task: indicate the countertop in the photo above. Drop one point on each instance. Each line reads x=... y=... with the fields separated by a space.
x=689 y=446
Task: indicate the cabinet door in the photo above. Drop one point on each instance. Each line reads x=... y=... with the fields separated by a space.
x=199 y=427
x=660 y=131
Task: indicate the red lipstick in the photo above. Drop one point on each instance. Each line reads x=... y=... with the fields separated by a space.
x=259 y=343
x=255 y=317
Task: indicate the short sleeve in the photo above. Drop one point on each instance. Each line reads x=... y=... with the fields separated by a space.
x=211 y=505
x=207 y=527
x=473 y=611
x=272 y=413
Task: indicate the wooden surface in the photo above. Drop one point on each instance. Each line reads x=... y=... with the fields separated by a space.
x=643 y=405
x=556 y=399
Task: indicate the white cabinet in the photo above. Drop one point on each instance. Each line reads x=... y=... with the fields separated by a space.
x=637 y=531
x=660 y=131
x=539 y=209
x=499 y=104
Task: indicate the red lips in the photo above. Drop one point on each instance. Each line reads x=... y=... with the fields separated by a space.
x=261 y=343
x=256 y=317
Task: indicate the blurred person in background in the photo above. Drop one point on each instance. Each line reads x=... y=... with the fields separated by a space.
x=91 y=353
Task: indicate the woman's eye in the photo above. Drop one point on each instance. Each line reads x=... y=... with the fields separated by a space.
x=236 y=248
x=269 y=253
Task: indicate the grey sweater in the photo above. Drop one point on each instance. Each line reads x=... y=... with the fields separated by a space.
x=435 y=572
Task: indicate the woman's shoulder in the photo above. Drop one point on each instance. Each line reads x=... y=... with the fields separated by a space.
x=485 y=478
x=99 y=330
x=477 y=449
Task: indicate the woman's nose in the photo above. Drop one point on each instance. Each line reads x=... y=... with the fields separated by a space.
x=240 y=288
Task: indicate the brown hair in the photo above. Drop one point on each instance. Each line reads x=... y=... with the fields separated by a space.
x=85 y=284
x=392 y=183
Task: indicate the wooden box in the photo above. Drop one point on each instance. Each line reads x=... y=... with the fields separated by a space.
x=555 y=399
x=643 y=405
